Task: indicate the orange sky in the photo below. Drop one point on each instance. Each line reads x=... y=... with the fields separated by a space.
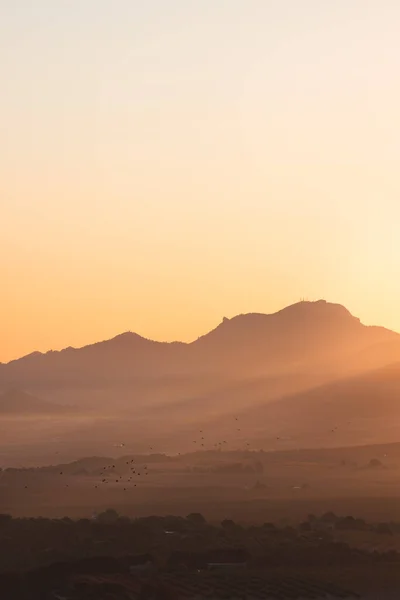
x=161 y=169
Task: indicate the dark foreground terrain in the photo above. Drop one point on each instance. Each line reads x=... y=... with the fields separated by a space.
x=114 y=557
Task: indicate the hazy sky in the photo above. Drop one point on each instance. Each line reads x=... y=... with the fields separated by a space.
x=165 y=163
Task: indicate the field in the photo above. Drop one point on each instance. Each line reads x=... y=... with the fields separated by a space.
x=247 y=486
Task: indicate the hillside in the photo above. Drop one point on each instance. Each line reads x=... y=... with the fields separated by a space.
x=306 y=336
x=355 y=410
x=16 y=402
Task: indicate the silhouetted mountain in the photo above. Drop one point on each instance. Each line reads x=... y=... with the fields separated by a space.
x=304 y=336
x=120 y=359
x=16 y=402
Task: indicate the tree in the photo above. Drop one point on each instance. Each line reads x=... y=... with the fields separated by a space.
x=329 y=517
x=196 y=519
x=312 y=518
x=108 y=516
x=228 y=525
x=4 y=518
x=384 y=529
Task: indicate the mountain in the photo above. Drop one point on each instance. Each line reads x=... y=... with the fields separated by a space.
x=304 y=337
x=123 y=358
x=16 y=402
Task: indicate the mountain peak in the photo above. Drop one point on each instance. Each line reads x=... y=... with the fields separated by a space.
x=318 y=308
x=302 y=312
x=127 y=337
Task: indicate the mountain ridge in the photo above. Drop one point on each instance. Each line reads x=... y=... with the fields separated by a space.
x=300 y=336
x=133 y=336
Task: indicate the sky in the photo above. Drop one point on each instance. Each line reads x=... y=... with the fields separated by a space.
x=166 y=163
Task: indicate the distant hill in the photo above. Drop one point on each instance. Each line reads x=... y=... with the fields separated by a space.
x=16 y=402
x=309 y=376
x=123 y=358
x=316 y=455
x=351 y=411
x=306 y=335
x=303 y=337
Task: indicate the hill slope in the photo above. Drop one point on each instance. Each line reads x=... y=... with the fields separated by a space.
x=362 y=409
x=16 y=402
x=304 y=336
